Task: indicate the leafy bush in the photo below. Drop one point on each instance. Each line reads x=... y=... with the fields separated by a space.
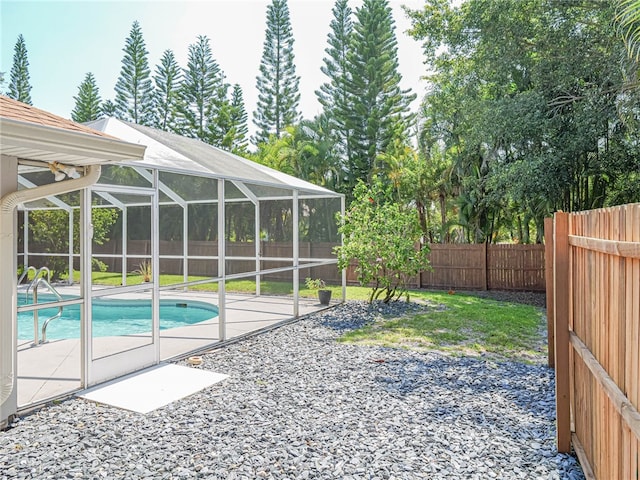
x=385 y=239
x=314 y=283
x=49 y=233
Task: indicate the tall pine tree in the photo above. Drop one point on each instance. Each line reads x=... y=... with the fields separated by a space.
x=333 y=95
x=239 y=122
x=87 y=106
x=220 y=128
x=19 y=86
x=109 y=109
x=202 y=85
x=380 y=110
x=134 y=89
x=277 y=84
x=166 y=96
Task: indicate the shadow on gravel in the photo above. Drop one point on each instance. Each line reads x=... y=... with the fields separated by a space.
x=507 y=401
x=354 y=315
x=525 y=387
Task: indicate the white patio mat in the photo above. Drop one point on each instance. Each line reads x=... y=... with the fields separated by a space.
x=152 y=388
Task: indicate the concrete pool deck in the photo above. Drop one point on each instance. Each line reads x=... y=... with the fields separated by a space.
x=52 y=369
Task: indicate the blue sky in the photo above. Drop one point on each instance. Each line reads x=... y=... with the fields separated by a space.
x=67 y=39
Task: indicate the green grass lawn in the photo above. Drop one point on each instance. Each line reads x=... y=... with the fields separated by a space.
x=462 y=324
x=234 y=286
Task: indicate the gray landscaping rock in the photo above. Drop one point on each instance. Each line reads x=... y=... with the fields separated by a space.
x=299 y=404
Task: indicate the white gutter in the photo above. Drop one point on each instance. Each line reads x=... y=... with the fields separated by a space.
x=71 y=147
x=8 y=288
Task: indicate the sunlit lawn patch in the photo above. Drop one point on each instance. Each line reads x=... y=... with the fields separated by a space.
x=461 y=324
x=233 y=286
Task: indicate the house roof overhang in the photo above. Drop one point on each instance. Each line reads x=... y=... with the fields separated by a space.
x=32 y=134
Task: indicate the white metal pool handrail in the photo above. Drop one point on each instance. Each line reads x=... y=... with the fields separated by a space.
x=34 y=284
x=39 y=282
x=26 y=272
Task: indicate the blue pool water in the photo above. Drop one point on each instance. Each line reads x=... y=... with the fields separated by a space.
x=115 y=317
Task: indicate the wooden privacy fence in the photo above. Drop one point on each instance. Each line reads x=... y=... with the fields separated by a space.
x=209 y=267
x=595 y=289
x=457 y=266
x=486 y=267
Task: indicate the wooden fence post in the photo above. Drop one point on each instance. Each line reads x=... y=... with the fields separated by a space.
x=548 y=265
x=561 y=317
x=485 y=266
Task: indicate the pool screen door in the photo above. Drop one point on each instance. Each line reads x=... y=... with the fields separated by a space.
x=122 y=331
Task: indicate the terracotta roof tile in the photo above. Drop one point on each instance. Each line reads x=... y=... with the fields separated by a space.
x=14 y=110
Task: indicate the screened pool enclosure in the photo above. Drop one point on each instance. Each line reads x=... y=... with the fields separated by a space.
x=164 y=255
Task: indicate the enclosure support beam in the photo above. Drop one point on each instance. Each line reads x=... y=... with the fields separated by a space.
x=253 y=199
x=562 y=277
x=344 y=270
x=296 y=255
x=25 y=257
x=70 y=279
x=162 y=187
x=155 y=267
x=258 y=243
x=185 y=244
x=222 y=314
x=86 y=345
x=125 y=222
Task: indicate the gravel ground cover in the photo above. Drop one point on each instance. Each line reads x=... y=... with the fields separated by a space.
x=299 y=405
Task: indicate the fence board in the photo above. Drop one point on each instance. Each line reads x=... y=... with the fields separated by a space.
x=516 y=266
x=455 y=266
x=604 y=341
x=561 y=309
x=548 y=266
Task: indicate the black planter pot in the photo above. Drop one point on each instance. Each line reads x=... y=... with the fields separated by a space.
x=324 y=296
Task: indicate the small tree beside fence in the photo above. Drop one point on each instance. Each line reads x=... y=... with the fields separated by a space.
x=381 y=236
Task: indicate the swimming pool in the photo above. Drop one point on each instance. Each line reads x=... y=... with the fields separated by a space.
x=115 y=317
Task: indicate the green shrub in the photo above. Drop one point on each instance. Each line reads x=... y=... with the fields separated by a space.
x=385 y=239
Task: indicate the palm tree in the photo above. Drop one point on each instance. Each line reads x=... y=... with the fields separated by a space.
x=628 y=19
